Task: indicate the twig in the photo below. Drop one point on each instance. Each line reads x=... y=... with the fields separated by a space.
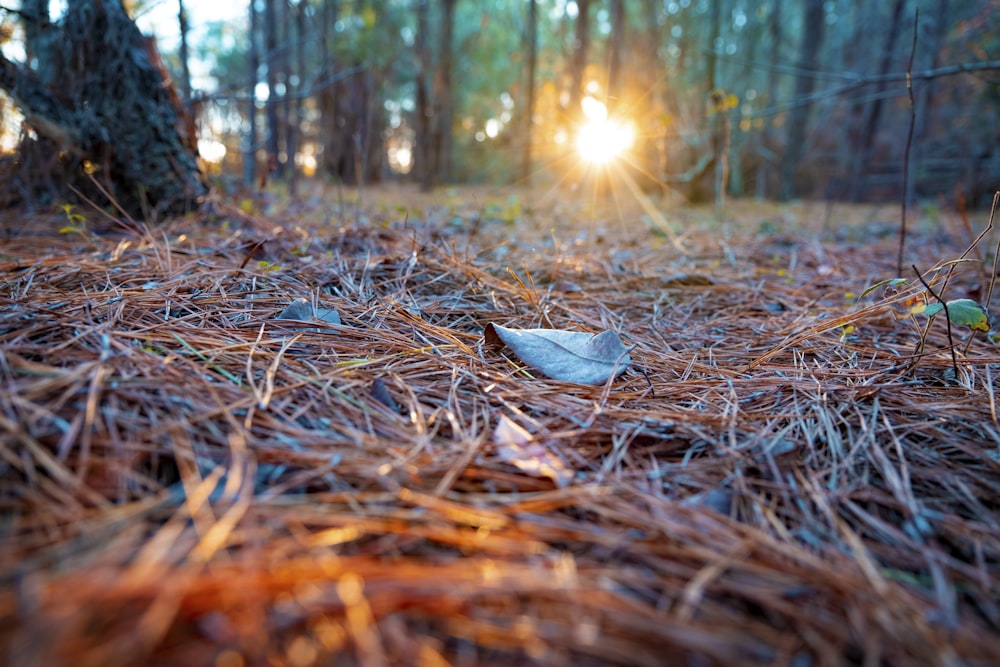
x=909 y=143
x=836 y=91
x=947 y=317
x=993 y=273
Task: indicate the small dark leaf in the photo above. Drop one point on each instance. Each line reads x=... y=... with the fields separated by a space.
x=381 y=394
x=328 y=315
x=300 y=310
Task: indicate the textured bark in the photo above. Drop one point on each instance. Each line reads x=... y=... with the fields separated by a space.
x=99 y=95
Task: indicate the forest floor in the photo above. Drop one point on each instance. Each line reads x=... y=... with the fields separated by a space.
x=771 y=477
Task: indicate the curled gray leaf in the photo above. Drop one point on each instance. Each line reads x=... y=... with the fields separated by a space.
x=301 y=310
x=569 y=356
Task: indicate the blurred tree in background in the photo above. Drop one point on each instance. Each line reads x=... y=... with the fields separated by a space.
x=767 y=98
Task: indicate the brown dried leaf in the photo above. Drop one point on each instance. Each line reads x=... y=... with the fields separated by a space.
x=517 y=447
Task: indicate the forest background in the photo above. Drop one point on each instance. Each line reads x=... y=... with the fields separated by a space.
x=774 y=99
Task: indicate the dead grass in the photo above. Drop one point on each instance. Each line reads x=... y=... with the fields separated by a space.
x=186 y=480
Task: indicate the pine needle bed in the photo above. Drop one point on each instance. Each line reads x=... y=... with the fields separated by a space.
x=777 y=479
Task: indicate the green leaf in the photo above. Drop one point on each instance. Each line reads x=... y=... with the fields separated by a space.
x=928 y=309
x=889 y=282
x=963 y=312
x=969 y=313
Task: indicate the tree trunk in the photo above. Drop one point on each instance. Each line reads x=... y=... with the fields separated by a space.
x=443 y=117
x=654 y=148
x=36 y=34
x=578 y=67
x=423 y=156
x=865 y=145
x=712 y=51
x=616 y=46
x=581 y=49
x=529 y=110
x=182 y=24
x=253 y=64
x=767 y=178
x=931 y=49
x=99 y=94
x=299 y=69
x=286 y=158
x=327 y=100
x=271 y=109
x=798 y=119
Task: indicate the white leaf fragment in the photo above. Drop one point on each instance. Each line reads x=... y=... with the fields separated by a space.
x=569 y=356
x=517 y=447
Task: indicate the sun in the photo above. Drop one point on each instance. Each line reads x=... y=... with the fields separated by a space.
x=601 y=139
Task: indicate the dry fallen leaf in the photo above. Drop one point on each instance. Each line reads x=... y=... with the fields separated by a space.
x=569 y=356
x=516 y=446
x=301 y=310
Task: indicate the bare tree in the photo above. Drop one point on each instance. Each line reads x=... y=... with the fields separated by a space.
x=444 y=94
x=253 y=65
x=529 y=104
x=423 y=161
x=299 y=71
x=767 y=175
x=182 y=23
x=271 y=110
x=798 y=118
x=327 y=95
x=579 y=56
x=654 y=111
x=283 y=58
x=616 y=47
x=866 y=139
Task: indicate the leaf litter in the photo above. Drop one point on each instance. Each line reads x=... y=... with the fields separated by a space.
x=772 y=488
